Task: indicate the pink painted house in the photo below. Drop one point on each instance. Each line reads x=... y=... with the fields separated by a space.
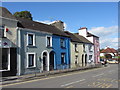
x=95 y=40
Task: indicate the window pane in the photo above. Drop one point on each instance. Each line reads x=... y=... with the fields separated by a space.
x=90 y=57
x=30 y=39
x=48 y=41
x=62 y=42
x=75 y=47
x=31 y=60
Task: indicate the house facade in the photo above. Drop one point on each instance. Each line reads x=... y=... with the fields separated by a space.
x=61 y=47
x=109 y=51
x=82 y=52
x=76 y=51
x=8 y=45
x=87 y=55
x=95 y=40
x=33 y=51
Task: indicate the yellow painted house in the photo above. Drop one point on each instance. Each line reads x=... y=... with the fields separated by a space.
x=78 y=48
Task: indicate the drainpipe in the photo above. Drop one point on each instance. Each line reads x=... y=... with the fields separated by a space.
x=18 y=52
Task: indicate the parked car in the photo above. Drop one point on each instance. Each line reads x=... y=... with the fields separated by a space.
x=102 y=61
x=112 y=61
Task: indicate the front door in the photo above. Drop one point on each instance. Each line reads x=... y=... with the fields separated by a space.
x=86 y=60
x=44 y=61
x=52 y=60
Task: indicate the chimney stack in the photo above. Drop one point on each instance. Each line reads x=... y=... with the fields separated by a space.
x=83 y=31
x=58 y=24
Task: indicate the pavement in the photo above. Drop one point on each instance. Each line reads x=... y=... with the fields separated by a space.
x=105 y=77
x=16 y=79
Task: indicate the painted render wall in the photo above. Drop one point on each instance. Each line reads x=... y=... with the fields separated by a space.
x=95 y=40
x=88 y=52
x=97 y=49
x=40 y=40
x=11 y=24
x=58 y=50
x=74 y=53
x=80 y=53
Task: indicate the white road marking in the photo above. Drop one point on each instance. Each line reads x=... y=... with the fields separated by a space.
x=98 y=75
x=72 y=83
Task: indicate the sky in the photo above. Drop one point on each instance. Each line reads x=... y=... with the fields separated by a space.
x=101 y=18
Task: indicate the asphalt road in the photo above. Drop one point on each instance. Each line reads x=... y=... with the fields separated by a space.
x=106 y=77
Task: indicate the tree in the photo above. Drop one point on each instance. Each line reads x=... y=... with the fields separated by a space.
x=23 y=14
x=101 y=49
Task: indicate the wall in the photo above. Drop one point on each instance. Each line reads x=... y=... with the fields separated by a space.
x=40 y=40
x=58 y=50
x=74 y=53
x=11 y=25
x=89 y=53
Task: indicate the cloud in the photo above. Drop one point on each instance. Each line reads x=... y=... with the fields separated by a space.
x=108 y=36
x=104 y=31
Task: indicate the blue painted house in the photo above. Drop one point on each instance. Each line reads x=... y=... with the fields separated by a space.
x=61 y=48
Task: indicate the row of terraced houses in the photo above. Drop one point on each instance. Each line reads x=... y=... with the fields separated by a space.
x=28 y=46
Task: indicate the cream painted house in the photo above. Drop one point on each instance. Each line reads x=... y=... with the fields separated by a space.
x=79 y=48
x=87 y=51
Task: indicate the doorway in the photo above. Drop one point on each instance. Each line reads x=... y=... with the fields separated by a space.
x=82 y=60
x=52 y=58
x=44 y=61
x=85 y=59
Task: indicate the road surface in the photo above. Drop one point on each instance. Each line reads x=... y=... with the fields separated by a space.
x=106 y=77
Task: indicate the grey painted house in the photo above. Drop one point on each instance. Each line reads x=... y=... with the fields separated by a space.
x=35 y=46
x=32 y=47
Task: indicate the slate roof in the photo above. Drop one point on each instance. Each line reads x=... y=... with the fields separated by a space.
x=109 y=50
x=73 y=37
x=5 y=13
x=83 y=39
x=29 y=24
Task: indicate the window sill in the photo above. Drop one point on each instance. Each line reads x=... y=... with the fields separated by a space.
x=77 y=51
x=63 y=47
x=90 y=51
x=31 y=46
x=4 y=70
x=31 y=67
x=49 y=46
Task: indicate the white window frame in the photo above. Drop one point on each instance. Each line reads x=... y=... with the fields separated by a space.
x=50 y=41
x=90 y=48
x=34 y=59
x=5 y=31
x=84 y=47
x=33 y=39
